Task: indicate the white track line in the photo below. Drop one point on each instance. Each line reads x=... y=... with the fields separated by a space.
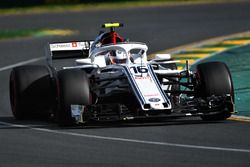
x=128 y=140
x=21 y=63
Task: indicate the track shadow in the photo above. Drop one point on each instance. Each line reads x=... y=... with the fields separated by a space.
x=150 y=123
x=12 y=123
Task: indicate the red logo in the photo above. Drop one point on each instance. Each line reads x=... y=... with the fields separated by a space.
x=74 y=44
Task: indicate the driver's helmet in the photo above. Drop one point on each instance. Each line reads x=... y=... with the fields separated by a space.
x=117 y=57
x=111 y=38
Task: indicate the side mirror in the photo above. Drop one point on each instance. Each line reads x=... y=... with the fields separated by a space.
x=162 y=57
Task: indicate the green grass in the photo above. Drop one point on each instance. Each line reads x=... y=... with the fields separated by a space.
x=219 y=45
x=104 y=5
x=6 y=34
x=23 y=33
x=196 y=52
x=242 y=38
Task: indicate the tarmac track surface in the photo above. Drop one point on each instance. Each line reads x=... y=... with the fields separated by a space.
x=185 y=142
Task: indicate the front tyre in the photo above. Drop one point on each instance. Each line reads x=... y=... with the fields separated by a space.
x=214 y=79
x=73 y=89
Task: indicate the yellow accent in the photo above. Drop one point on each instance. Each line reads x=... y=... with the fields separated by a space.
x=190 y=55
x=109 y=25
x=190 y=61
x=151 y=56
x=179 y=68
x=238 y=119
x=59 y=32
x=216 y=49
x=236 y=42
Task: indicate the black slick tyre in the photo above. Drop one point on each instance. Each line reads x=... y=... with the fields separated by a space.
x=73 y=88
x=31 y=91
x=215 y=79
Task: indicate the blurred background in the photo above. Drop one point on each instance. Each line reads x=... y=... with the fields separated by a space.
x=26 y=28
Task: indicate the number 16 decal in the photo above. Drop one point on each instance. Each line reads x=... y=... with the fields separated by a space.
x=139 y=69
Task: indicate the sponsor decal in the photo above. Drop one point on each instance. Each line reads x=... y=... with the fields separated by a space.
x=55 y=46
x=142 y=77
x=150 y=95
x=74 y=44
x=154 y=99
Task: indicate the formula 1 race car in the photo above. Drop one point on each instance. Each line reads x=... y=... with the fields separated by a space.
x=111 y=79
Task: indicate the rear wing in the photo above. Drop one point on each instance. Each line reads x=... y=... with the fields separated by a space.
x=66 y=50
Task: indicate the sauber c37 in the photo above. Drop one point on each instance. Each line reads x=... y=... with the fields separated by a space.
x=112 y=79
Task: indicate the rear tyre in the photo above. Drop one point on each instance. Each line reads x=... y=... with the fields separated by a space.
x=215 y=79
x=73 y=86
x=31 y=92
